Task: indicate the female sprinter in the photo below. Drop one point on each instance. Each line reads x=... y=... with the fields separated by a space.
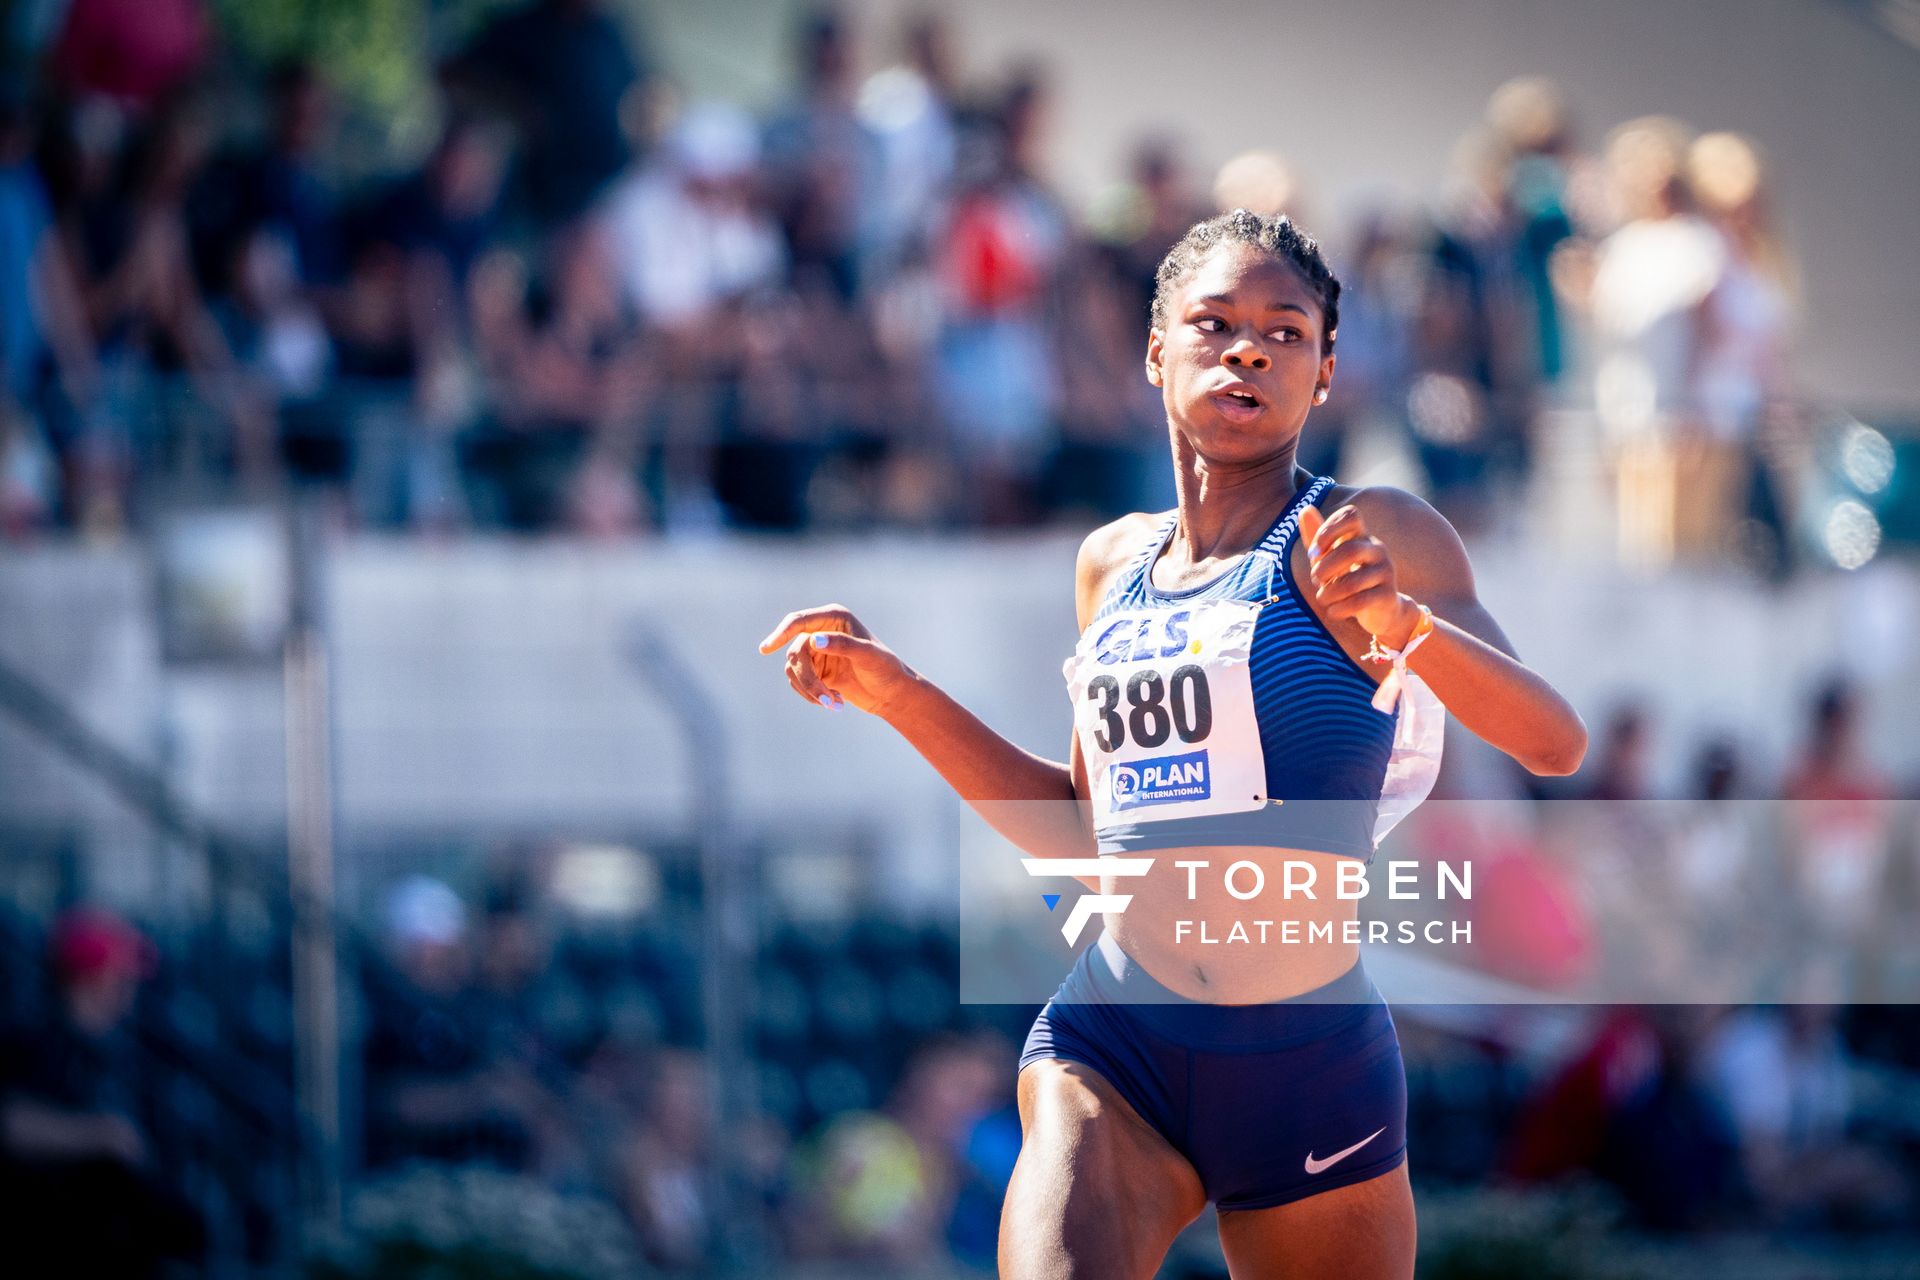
x=1291 y=663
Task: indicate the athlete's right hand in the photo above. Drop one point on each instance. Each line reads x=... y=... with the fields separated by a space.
x=832 y=660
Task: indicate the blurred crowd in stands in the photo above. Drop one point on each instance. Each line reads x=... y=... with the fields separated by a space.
x=1723 y=880
x=549 y=1022
x=1715 y=886
x=514 y=1034
x=595 y=304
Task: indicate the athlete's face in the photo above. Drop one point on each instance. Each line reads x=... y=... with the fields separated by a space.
x=1239 y=361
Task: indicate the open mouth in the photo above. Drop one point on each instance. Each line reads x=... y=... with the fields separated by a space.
x=1237 y=403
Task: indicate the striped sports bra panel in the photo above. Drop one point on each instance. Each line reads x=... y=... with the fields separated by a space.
x=1325 y=753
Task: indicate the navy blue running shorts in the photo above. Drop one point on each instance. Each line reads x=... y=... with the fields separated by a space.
x=1270 y=1103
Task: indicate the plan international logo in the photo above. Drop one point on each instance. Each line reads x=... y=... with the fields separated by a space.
x=1160 y=780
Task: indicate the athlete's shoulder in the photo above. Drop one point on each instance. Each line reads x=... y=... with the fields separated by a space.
x=1388 y=508
x=1426 y=548
x=1104 y=553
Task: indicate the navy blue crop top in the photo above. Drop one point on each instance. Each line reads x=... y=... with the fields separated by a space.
x=1327 y=750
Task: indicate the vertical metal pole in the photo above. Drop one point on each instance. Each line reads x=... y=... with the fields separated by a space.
x=316 y=980
x=727 y=935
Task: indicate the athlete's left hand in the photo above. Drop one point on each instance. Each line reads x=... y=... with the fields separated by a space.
x=1351 y=575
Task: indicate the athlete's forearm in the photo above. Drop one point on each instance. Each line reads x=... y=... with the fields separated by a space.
x=1501 y=699
x=1026 y=798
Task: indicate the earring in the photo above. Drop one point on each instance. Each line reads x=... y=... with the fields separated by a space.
x=1320 y=396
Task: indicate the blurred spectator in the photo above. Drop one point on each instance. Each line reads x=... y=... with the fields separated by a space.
x=1712 y=848
x=564 y=71
x=568 y=375
x=445 y=218
x=1616 y=852
x=131 y=236
x=1740 y=370
x=143 y=293
x=923 y=334
x=1839 y=818
x=1158 y=205
x=666 y=1165
x=1381 y=296
x=773 y=414
x=1000 y=256
x=280 y=185
x=952 y=1102
x=511 y=996
x=404 y=331
x=909 y=110
x=271 y=324
x=375 y=396
x=1830 y=765
x=380 y=360
x=1112 y=425
x=1649 y=280
x=686 y=231
x=823 y=163
x=1528 y=117
x=1532 y=922
x=137 y=51
x=1781 y=1076
x=1470 y=404
x=81 y=1194
x=42 y=326
x=882 y=1188
x=1630 y=1108
x=373 y=332
x=1619 y=769
x=512 y=953
x=47 y=366
x=436 y=1088
x=28 y=477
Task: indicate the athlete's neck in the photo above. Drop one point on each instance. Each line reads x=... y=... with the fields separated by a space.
x=1224 y=510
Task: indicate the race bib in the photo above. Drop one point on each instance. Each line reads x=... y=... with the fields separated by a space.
x=1163 y=706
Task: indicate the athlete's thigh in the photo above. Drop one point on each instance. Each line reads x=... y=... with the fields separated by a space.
x=1097 y=1193
x=1361 y=1232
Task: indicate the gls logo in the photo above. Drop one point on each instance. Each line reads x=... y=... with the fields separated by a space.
x=1088 y=904
x=1132 y=639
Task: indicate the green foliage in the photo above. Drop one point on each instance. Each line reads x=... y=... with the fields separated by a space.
x=379 y=55
x=373 y=51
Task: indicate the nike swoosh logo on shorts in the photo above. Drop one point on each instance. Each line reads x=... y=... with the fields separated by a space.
x=1321 y=1166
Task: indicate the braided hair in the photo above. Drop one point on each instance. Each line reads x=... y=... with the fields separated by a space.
x=1277 y=235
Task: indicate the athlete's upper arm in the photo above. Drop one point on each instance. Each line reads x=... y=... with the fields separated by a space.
x=1429 y=560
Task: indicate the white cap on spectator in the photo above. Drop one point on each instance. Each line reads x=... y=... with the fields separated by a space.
x=714 y=140
x=421 y=909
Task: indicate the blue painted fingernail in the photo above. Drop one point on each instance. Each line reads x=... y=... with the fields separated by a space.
x=819 y=642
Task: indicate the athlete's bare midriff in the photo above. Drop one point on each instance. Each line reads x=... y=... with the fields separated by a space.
x=1206 y=958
